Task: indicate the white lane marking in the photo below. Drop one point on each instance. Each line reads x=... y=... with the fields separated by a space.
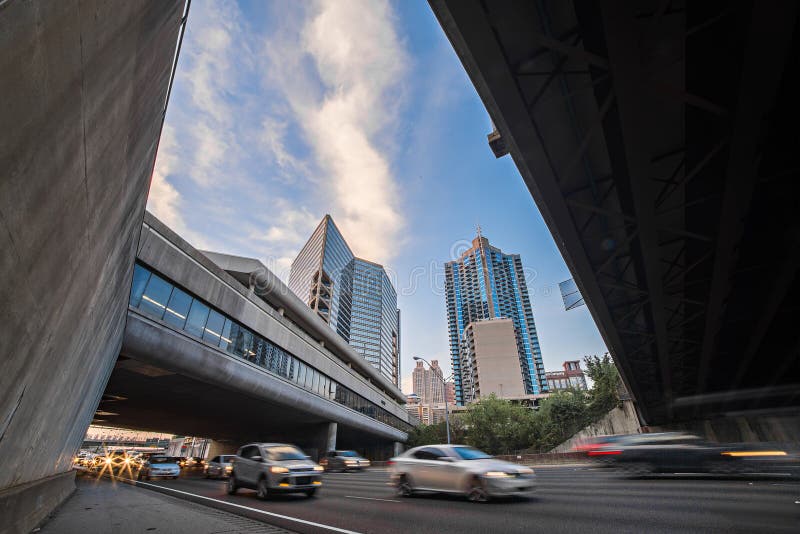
x=370 y=498
x=289 y=518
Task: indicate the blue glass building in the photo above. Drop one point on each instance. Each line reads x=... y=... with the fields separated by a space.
x=354 y=296
x=483 y=284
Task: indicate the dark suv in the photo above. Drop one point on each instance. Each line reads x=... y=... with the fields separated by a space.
x=274 y=468
x=344 y=461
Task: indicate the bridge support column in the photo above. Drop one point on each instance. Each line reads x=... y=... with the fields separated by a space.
x=331 y=442
x=398 y=448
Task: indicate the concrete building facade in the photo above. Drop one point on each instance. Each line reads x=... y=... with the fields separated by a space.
x=490 y=361
x=217 y=346
x=84 y=87
x=484 y=283
x=353 y=295
x=571 y=377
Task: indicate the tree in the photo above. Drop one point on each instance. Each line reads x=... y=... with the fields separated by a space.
x=604 y=395
x=560 y=416
x=498 y=426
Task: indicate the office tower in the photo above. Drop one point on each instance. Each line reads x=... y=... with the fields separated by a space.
x=450 y=393
x=354 y=296
x=484 y=283
x=428 y=384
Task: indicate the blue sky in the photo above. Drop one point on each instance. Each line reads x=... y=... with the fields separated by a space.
x=283 y=111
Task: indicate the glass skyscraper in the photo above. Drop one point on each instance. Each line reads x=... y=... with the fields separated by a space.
x=484 y=284
x=354 y=296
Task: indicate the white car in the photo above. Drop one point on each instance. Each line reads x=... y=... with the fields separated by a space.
x=160 y=467
x=459 y=469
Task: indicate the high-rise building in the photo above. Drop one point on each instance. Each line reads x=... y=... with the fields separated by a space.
x=485 y=283
x=450 y=392
x=354 y=296
x=428 y=383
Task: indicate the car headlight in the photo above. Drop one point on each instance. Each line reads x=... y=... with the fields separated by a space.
x=319 y=468
x=525 y=471
x=229 y=468
x=350 y=462
x=496 y=474
x=278 y=469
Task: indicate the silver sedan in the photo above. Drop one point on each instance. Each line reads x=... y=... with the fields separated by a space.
x=459 y=469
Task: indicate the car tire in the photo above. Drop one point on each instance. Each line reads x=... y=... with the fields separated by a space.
x=476 y=491
x=232 y=486
x=310 y=492
x=404 y=487
x=262 y=489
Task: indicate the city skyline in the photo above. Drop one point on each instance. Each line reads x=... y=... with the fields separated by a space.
x=410 y=155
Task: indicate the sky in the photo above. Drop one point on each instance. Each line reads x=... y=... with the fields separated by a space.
x=284 y=111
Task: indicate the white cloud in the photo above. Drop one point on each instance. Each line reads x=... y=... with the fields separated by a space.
x=164 y=200
x=347 y=106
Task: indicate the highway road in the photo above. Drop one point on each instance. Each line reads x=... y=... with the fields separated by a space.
x=569 y=499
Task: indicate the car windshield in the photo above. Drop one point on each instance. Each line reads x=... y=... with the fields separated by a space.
x=469 y=453
x=161 y=460
x=348 y=454
x=285 y=453
x=225 y=459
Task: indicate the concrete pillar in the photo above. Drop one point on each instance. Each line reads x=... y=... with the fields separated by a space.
x=83 y=89
x=398 y=448
x=331 y=443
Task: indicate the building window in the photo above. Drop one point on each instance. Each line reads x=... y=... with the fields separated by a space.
x=158 y=298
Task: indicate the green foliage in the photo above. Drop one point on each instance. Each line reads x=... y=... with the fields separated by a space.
x=498 y=426
x=501 y=427
x=604 y=395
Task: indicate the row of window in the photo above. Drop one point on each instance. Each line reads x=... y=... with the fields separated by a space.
x=158 y=298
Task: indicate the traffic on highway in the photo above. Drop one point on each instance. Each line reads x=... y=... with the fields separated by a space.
x=443 y=486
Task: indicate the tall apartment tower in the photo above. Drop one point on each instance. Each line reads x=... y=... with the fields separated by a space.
x=428 y=384
x=484 y=283
x=354 y=296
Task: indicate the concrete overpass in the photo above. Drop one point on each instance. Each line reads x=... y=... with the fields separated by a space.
x=217 y=346
x=659 y=140
x=84 y=88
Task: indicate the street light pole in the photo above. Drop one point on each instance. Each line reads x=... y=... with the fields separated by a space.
x=444 y=392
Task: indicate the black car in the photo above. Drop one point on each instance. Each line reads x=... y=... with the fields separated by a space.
x=677 y=452
x=344 y=461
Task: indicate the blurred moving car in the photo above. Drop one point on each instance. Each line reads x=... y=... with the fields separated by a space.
x=159 y=467
x=272 y=468
x=194 y=462
x=459 y=469
x=219 y=466
x=679 y=452
x=344 y=461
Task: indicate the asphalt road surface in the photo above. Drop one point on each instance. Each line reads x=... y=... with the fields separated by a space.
x=569 y=499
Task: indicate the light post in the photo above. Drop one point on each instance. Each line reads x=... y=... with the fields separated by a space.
x=444 y=391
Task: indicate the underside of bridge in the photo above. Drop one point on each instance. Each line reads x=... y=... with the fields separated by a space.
x=659 y=140
x=141 y=396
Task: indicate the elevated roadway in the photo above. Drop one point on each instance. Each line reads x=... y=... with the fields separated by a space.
x=659 y=141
